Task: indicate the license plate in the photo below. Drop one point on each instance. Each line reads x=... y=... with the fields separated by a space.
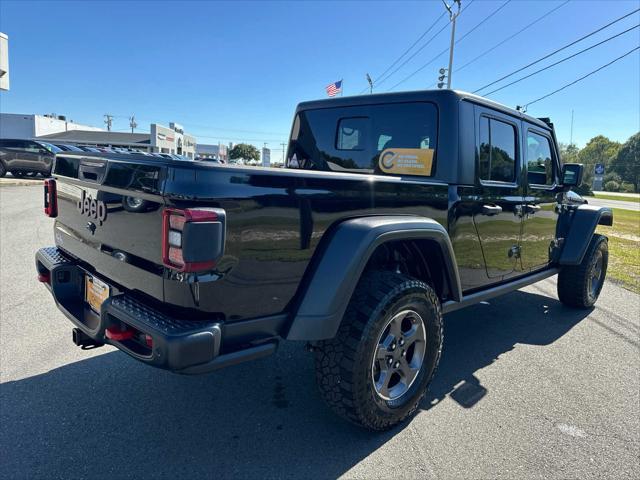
x=95 y=292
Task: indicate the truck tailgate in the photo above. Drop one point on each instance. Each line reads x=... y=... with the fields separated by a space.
x=110 y=217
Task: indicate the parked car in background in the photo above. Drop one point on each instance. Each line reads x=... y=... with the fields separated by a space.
x=68 y=148
x=85 y=148
x=51 y=147
x=25 y=157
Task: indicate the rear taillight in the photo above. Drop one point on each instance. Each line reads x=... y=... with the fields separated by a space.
x=50 y=198
x=192 y=239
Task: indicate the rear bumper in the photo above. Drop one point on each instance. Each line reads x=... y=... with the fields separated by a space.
x=180 y=345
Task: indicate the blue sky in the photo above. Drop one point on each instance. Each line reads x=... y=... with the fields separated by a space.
x=235 y=71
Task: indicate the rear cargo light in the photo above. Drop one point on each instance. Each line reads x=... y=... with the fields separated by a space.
x=192 y=239
x=50 y=198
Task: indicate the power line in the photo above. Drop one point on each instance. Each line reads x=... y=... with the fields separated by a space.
x=526 y=105
x=512 y=36
x=556 y=51
x=211 y=127
x=408 y=49
x=457 y=41
x=560 y=61
x=379 y=81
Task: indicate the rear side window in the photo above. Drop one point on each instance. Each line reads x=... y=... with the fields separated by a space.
x=540 y=165
x=353 y=139
x=497 y=152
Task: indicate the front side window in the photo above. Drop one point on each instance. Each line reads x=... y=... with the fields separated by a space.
x=352 y=138
x=497 y=152
x=540 y=165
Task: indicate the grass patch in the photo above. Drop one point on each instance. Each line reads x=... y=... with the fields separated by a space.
x=626 y=198
x=624 y=248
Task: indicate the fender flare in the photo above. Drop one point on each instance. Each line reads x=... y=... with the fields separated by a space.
x=583 y=225
x=341 y=263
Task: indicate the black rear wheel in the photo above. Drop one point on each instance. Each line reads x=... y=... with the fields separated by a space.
x=376 y=370
x=580 y=285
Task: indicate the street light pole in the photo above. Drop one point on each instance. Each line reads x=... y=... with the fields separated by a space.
x=452 y=18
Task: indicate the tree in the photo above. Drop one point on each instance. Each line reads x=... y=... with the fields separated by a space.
x=244 y=151
x=598 y=150
x=627 y=162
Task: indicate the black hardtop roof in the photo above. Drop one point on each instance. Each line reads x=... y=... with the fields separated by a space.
x=441 y=97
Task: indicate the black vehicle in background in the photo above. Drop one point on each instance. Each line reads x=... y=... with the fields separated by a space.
x=393 y=210
x=26 y=157
x=68 y=148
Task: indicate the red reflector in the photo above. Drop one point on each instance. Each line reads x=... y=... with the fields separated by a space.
x=175 y=256
x=148 y=340
x=50 y=198
x=44 y=277
x=113 y=333
x=176 y=222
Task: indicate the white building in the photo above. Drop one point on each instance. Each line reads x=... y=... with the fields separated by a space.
x=216 y=152
x=30 y=126
x=172 y=140
x=4 y=61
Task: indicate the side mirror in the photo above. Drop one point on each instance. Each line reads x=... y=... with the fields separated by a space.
x=572 y=174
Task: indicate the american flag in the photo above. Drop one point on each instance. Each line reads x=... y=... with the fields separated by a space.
x=334 y=88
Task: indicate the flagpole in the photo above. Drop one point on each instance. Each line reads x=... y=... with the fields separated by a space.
x=342 y=85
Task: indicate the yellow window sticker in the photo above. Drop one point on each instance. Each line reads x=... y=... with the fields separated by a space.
x=408 y=161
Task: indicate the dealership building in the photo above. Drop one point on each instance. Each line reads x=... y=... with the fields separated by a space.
x=57 y=129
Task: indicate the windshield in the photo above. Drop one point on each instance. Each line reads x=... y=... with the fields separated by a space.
x=50 y=147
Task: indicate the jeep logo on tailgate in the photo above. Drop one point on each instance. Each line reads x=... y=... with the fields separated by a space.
x=95 y=209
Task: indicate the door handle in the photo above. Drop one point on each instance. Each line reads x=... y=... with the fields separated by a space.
x=491 y=210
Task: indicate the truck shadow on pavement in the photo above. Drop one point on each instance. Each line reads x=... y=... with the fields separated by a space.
x=109 y=416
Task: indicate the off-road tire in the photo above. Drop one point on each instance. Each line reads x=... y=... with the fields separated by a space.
x=573 y=280
x=344 y=363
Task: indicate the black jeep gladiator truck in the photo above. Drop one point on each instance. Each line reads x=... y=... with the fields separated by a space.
x=391 y=211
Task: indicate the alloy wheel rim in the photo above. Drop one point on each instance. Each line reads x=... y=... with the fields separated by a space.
x=595 y=275
x=399 y=355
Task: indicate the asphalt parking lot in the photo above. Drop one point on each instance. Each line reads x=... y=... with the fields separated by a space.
x=526 y=389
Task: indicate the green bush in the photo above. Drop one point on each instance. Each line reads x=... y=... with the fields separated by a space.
x=612 y=186
x=612 y=176
x=583 y=189
x=627 y=187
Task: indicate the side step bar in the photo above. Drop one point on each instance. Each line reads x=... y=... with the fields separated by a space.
x=452 y=306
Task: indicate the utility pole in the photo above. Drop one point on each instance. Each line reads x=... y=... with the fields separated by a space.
x=571 y=138
x=108 y=120
x=132 y=123
x=284 y=153
x=452 y=19
x=370 y=83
